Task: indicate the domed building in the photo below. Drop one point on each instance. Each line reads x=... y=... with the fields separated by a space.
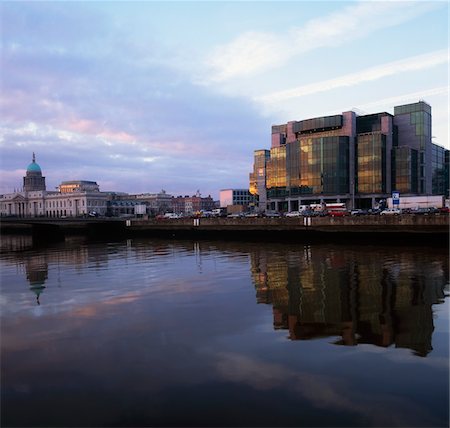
x=72 y=199
x=33 y=179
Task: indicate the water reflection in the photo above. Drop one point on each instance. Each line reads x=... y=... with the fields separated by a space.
x=361 y=294
x=169 y=333
x=355 y=294
x=37 y=273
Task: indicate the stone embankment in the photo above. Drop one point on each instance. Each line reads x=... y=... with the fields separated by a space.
x=426 y=228
x=432 y=228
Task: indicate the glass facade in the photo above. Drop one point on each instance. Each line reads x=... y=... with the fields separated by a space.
x=439 y=172
x=258 y=176
x=293 y=165
x=324 y=165
x=411 y=108
x=404 y=168
x=276 y=172
x=371 y=163
x=370 y=123
x=355 y=158
x=415 y=132
x=318 y=124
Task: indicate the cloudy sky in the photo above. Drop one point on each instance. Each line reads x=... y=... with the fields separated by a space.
x=144 y=96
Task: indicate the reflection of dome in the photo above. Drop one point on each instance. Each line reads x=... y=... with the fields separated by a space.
x=37 y=289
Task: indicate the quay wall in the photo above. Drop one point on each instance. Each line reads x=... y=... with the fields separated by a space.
x=431 y=228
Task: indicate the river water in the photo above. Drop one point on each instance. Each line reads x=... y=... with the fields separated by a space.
x=181 y=333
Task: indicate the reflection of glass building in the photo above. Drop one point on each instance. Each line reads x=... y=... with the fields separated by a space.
x=320 y=293
x=354 y=159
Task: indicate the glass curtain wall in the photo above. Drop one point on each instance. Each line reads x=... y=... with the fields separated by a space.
x=404 y=175
x=420 y=121
x=293 y=168
x=258 y=176
x=371 y=163
x=438 y=170
x=324 y=165
x=276 y=173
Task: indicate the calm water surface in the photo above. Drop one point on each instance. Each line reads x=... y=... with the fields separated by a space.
x=179 y=333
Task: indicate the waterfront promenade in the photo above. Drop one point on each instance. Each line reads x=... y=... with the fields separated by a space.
x=434 y=227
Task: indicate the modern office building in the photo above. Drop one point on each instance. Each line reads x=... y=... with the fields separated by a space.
x=350 y=158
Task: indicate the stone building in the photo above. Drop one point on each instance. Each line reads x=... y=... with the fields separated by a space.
x=73 y=198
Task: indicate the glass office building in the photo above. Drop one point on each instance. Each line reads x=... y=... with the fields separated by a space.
x=414 y=130
x=358 y=160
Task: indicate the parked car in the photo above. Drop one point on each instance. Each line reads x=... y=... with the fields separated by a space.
x=421 y=211
x=272 y=214
x=309 y=213
x=342 y=213
x=293 y=214
x=171 y=215
x=359 y=212
x=390 y=211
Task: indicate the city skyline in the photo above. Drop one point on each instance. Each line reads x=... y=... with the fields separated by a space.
x=148 y=96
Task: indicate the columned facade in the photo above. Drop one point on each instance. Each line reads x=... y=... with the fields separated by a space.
x=74 y=198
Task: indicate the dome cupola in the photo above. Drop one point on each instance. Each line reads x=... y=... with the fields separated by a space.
x=33 y=166
x=33 y=179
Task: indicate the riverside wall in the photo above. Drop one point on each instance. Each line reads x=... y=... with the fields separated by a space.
x=431 y=229
x=421 y=228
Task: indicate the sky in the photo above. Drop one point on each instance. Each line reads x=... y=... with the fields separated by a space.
x=144 y=96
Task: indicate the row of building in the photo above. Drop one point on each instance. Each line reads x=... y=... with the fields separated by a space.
x=356 y=159
x=82 y=197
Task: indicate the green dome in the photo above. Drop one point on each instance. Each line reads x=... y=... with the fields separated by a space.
x=34 y=167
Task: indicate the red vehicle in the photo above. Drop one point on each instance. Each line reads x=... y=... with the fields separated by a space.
x=336 y=213
x=337 y=210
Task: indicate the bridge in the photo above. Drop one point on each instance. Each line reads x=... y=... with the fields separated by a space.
x=55 y=229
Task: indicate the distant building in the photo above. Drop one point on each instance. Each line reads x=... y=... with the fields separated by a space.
x=157 y=203
x=78 y=186
x=191 y=204
x=235 y=197
x=74 y=198
x=126 y=207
